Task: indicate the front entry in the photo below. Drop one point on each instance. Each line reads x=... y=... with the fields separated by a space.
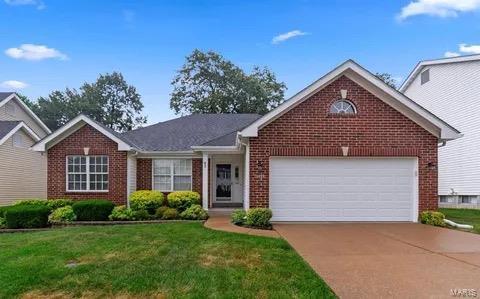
x=228 y=181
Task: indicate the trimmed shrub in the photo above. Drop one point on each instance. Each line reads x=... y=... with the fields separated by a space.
x=62 y=215
x=169 y=214
x=182 y=200
x=3 y=223
x=121 y=213
x=141 y=215
x=59 y=203
x=195 y=212
x=27 y=216
x=239 y=216
x=160 y=211
x=432 y=218
x=31 y=202
x=3 y=210
x=93 y=210
x=476 y=228
x=149 y=200
x=259 y=217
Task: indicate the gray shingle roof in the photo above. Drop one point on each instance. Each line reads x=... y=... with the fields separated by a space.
x=6 y=127
x=182 y=133
x=4 y=95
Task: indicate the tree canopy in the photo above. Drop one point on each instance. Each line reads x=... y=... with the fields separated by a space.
x=388 y=79
x=208 y=83
x=109 y=100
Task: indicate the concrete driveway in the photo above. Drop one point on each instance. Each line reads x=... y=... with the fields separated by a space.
x=401 y=260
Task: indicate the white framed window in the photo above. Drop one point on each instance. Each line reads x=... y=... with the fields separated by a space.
x=445 y=199
x=87 y=173
x=467 y=199
x=172 y=175
x=343 y=107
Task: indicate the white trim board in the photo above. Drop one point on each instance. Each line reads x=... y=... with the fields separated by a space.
x=419 y=67
x=403 y=104
x=76 y=124
x=28 y=110
x=23 y=126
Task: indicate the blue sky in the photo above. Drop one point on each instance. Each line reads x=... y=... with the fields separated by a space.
x=74 y=41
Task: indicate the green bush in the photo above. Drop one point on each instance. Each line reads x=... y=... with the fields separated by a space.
x=476 y=228
x=31 y=202
x=58 y=203
x=239 y=216
x=149 y=200
x=121 y=213
x=27 y=216
x=62 y=215
x=170 y=214
x=3 y=210
x=182 y=200
x=3 y=223
x=141 y=215
x=93 y=210
x=195 y=212
x=259 y=217
x=432 y=218
x=160 y=211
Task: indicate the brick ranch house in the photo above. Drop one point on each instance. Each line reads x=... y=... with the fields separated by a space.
x=346 y=148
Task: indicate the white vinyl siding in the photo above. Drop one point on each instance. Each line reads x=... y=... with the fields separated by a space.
x=22 y=115
x=172 y=175
x=343 y=189
x=23 y=173
x=452 y=94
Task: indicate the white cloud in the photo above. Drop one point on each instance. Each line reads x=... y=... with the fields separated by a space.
x=469 y=49
x=438 y=8
x=34 y=52
x=13 y=84
x=285 y=36
x=449 y=54
x=38 y=3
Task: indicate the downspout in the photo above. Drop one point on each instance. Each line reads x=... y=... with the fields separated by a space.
x=444 y=142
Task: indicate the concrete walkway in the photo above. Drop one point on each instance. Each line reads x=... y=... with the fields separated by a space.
x=220 y=220
x=388 y=260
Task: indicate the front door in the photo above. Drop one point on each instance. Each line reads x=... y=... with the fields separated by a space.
x=223 y=188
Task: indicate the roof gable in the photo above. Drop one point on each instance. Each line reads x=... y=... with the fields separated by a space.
x=371 y=83
x=8 y=128
x=6 y=97
x=74 y=125
x=425 y=63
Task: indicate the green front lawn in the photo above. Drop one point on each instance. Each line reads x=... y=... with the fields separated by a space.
x=160 y=261
x=462 y=216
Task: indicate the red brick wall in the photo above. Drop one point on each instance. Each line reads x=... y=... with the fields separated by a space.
x=99 y=145
x=310 y=130
x=144 y=174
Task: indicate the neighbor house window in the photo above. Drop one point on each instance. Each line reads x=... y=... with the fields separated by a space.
x=343 y=107
x=467 y=198
x=444 y=198
x=87 y=173
x=425 y=77
x=172 y=175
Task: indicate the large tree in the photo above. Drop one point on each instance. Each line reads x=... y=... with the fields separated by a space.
x=208 y=83
x=388 y=79
x=109 y=100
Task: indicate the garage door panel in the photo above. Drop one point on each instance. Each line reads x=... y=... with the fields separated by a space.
x=348 y=189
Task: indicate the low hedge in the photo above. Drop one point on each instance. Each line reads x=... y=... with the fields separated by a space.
x=259 y=217
x=239 y=216
x=182 y=200
x=149 y=200
x=122 y=213
x=93 y=210
x=432 y=218
x=195 y=212
x=62 y=215
x=27 y=216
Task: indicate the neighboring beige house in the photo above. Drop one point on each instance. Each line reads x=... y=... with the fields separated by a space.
x=23 y=172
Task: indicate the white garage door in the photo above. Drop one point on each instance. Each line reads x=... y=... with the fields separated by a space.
x=343 y=189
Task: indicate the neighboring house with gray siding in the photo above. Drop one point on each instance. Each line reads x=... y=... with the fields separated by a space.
x=450 y=88
x=23 y=172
